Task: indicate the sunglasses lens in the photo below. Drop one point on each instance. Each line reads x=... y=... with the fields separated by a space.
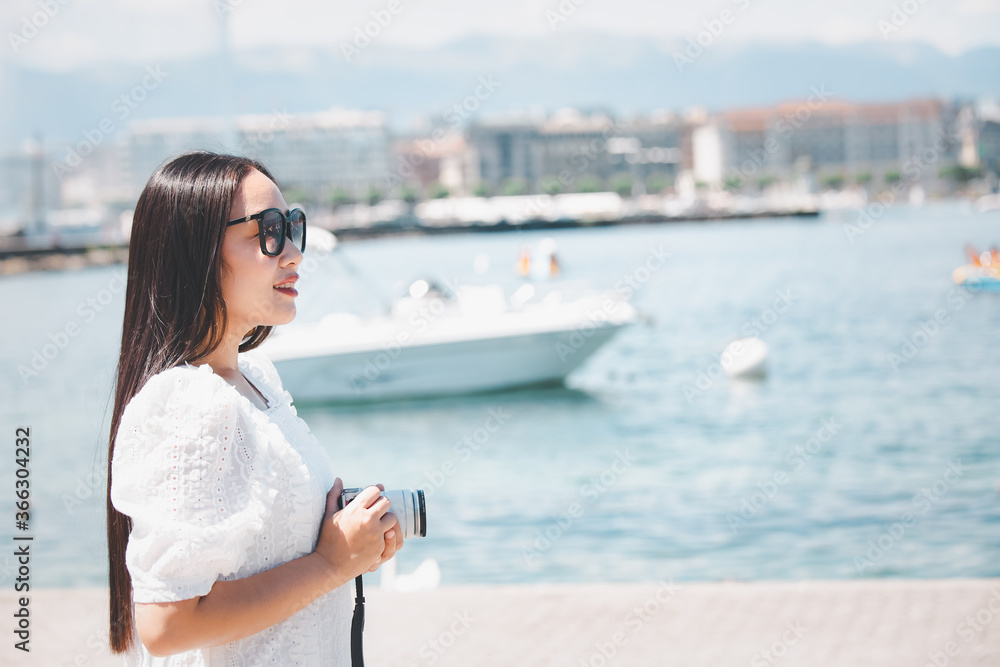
x=297 y=228
x=270 y=229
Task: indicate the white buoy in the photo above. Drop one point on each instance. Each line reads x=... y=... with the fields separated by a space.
x=745 y=358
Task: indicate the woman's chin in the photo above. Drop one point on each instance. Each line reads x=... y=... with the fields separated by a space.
x=274 y=314
x=284 y=315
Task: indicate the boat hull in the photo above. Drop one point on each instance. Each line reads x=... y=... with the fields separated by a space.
x=970 y=276
x=424 y=369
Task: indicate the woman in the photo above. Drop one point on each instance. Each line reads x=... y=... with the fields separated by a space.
x=223 y=527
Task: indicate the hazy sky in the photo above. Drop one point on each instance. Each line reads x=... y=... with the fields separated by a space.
x=87 y=31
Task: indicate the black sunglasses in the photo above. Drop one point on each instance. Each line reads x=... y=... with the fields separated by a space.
x=274 y=226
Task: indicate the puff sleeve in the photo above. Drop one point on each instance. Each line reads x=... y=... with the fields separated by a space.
x=195 y=512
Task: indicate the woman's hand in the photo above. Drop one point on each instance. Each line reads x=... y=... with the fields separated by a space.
x=393 y=540
x=353 y=540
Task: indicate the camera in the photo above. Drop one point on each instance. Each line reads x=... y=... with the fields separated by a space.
x=406 y=504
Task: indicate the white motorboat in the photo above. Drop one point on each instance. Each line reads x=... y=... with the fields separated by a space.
x=432 y=343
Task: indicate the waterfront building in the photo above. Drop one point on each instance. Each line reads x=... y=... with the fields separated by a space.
x=836 y=141
x=146 y=144
x=988 y=145
x=319 y=153
x=27 y=190
x=313 y=153
x=432 y=165
x=822 y=141
x=568 y=150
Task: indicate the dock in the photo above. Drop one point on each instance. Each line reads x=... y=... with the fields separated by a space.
x=18 y=257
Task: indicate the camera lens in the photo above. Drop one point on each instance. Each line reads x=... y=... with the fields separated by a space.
x=408 y=505
x=423 y=513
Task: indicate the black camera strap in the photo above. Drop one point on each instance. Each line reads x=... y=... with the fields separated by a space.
x=358 y=625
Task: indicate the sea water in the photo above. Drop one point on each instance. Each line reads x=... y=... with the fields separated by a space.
x=871 y=449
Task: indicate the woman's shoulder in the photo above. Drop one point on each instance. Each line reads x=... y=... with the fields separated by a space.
x=181 y=385
x=185 y=409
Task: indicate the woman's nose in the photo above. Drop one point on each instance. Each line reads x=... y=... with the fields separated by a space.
x=290 y=254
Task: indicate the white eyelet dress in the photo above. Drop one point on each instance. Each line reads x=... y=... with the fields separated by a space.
x=217 y=490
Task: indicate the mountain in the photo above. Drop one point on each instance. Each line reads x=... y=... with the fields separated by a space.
x=621 y=74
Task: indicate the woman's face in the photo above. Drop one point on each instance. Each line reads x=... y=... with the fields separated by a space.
x=251 y=279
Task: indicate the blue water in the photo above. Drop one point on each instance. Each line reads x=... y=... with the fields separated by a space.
x=639 y=468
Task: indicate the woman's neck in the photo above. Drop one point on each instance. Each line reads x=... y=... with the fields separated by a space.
x=224 y=362
x=224 y=359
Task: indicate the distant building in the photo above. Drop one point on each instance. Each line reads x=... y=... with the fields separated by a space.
x=314 y=152
x=813 y=141
x=648 y=150
x=28 y=188
x=320 y=152
x=707 y=154
x=507 y=150
x=570 y=148
x=146 y=144
x=988 y=145
x=914 y=139
x=425 y=163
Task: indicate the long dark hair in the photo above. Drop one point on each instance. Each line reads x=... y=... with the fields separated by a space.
x=174 y=310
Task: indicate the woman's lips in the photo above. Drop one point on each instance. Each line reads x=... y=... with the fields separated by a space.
x=287 y=286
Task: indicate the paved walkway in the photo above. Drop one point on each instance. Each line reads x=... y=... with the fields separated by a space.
x=881 y=623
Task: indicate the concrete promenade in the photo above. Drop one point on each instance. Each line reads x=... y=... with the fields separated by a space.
x=881 y=623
